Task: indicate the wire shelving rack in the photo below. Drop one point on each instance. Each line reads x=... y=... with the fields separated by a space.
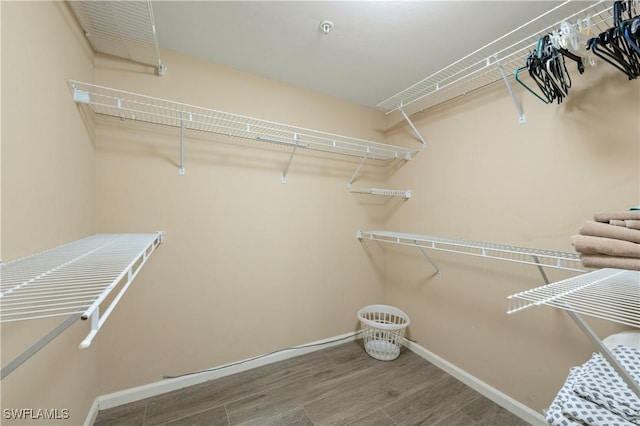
x=132 y=106
x=125 y=29
x=609 y=294
x=72 y=281
x=498 y=59
x=529 y=256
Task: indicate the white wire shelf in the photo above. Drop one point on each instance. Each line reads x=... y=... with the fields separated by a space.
x=404 y=193
x=610 y=294
x=480 y=67
x=132 y=106
x=530 y=256
x=74 y=278
x=125 y=29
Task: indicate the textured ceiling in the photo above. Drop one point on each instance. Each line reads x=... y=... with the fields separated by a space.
x=376 y=48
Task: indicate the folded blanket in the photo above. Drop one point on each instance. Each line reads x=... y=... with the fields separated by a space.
x=604 y=261
x=605 y=399
x=597 y=229
x=599 y=383
x=633 y=224
x=624 y=215
x=587 y=244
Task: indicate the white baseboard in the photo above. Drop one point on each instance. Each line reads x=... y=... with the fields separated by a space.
x=93 y=413
x=525 y=413
x=152 y=389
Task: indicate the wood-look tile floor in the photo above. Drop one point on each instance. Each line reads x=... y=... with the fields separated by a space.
x=341 y=385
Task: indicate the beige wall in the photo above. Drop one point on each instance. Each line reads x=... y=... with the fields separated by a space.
x=48 y=170
x=249 y=265
x=486 y=177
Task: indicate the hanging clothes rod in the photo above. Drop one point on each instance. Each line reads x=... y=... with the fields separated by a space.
x=480 y=67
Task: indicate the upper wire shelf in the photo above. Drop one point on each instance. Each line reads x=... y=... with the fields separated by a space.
x=611 y=294
x=482 y=66
x=133 y=106
x=125 y=29
x=530 y=256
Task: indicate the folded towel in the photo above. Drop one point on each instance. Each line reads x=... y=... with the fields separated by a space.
x=587 y=244
x=624 y=215
x=617 y=222
x=604 y=261
x=597 y=229
x=633 y=224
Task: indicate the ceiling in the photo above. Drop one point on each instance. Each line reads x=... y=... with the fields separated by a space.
x=375 y=49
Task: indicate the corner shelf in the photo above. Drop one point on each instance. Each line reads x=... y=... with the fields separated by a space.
x=72 y=281
x=132 y=106
x=497 y=60
x=529 y=256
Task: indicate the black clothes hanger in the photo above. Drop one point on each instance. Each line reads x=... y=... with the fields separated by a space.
x=617 y=45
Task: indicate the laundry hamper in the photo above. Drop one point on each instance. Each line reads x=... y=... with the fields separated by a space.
x=383 y=330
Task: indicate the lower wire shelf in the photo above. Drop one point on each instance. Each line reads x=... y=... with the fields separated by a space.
x=72 y=281
x=610 y=294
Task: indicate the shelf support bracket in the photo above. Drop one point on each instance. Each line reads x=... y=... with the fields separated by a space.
x=353 y=177
x=541 y=269
x=521 y=116
x=424 y=252
x=33 y=349
x=293 y=152
x=406 y=117
x=181 y=170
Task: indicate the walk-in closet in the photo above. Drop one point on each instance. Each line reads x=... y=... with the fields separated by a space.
x=201 y=202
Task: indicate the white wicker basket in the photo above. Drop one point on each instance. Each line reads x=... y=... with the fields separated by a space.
x=383 y=330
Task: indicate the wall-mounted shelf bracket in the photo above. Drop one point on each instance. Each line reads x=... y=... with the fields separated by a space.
x=415 y=130
x=375 y=191
x=521 y=116
x=355 y=173
x=293 y=152
x=438 y=273
x=181 y=170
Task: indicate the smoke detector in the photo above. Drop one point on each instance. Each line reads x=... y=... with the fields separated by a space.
x=326 y=27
